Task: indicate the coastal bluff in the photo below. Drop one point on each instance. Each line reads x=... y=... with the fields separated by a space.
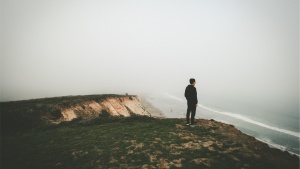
x=118 y=131
x=35 y=112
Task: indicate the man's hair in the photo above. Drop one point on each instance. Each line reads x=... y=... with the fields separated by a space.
x=192 y=80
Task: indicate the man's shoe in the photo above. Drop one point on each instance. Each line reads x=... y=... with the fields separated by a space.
x=187 y=124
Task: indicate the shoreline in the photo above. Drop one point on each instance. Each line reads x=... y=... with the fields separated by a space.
x=272 y=145
x=276 y=146
x=152 y=110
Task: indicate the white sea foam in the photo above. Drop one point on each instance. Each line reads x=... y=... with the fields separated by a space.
x=246 y=119
x=174 y=97
x=243 y=118
x=274 y=145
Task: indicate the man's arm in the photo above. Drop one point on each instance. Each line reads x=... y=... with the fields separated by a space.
x=196 y=96
x=186 y=93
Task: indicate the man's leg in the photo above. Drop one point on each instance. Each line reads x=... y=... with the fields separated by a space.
x=188 y=115
x=193 y=115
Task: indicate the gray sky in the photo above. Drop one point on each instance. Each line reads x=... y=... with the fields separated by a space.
x=236 y=49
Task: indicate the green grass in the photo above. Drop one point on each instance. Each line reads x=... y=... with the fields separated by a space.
x=83 y=145
x=118 y=142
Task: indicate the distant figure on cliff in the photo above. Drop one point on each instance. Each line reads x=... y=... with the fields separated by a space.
x=192 y=101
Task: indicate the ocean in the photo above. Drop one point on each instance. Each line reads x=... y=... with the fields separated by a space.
x=281 y=132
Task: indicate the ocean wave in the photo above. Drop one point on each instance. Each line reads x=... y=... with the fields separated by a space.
x=174 y=97
x=243 y=118
x=246 y=119
x=274 y=145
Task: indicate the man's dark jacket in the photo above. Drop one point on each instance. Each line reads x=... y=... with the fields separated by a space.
x=191 y=94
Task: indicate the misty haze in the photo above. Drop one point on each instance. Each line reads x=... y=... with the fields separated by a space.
x=244 y=56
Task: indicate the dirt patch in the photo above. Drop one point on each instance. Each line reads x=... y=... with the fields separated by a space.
x=207 y=162
x=152 y=158
x=191 y=145
x=68 y=114
x=134 y=146
x=163 y=163
x=207 y=144
x=157 y=139
x=113 y=160
x=180 y=126
x=189 y=136
x=177 y=163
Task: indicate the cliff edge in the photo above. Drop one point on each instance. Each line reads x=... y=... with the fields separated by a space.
x=36 y=112
x=116 y=131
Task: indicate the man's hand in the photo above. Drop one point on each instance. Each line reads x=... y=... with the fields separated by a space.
x=196 y=104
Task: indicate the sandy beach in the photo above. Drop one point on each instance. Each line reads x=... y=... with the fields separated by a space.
x=154 y=112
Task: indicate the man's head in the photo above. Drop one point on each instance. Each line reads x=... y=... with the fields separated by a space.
x=192 y=81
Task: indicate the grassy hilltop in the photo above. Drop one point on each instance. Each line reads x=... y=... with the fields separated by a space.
x=137 y=142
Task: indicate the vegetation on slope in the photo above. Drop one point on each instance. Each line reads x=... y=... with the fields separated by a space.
x=138 y=142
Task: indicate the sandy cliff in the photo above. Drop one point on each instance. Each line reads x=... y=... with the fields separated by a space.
x=30 y=113
x=114 y=105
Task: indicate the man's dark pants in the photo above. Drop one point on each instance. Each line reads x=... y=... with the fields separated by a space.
x=191 y=108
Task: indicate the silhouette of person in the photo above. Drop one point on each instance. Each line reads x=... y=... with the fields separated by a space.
x=192 y=101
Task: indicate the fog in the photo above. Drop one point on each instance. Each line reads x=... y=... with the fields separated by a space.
x=244 y=52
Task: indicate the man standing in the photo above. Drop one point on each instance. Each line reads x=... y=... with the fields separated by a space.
x=192 y=101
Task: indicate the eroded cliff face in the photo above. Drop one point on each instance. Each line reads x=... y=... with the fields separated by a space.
x=32 y=113
x=114 y=105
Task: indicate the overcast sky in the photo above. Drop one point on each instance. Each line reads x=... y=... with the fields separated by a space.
x=235 y=49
